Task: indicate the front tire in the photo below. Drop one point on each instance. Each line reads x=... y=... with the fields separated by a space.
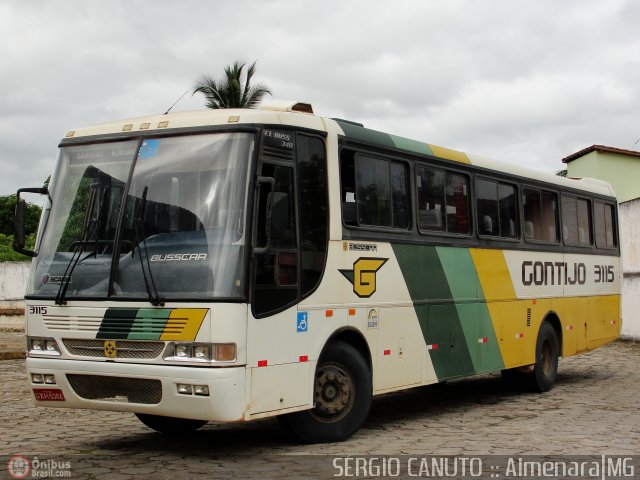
x=170 y=424
x=343 y=396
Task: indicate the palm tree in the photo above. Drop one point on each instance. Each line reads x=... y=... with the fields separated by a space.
x=231 y=92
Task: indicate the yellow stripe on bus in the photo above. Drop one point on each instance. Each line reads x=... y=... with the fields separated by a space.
x=508 y=315
x=449 y=154
x=183 y=324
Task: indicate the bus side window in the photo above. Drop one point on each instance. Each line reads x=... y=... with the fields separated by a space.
x=604 y=225
x=348 y=188
x=576 y=221
x=497 y=209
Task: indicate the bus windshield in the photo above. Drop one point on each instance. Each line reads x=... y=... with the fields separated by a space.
x=166 y=214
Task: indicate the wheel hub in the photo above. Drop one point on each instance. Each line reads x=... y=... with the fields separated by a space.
x=333 y=393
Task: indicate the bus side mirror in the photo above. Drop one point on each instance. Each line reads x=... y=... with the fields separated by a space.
x=18 y=228
x=19 y=220
x=278 y=213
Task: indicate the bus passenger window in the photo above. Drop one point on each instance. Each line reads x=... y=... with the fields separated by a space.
x=540 y=215
x=603 y=219
x=549 y=217
x=374 y=191
x=497 y=209
x=576 y=221
x=443 y=201
x=487 y=206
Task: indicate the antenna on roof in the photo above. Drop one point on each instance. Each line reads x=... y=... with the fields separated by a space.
x=174 y=103
x=636 y=142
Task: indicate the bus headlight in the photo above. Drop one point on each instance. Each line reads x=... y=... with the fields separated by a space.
x=200 y=352
x=37 y=346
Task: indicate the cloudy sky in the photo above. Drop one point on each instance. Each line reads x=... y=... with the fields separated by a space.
x=526 y=81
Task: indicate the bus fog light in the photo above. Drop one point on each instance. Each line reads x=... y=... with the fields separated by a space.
x=224 y=352
x=183 y=351
x=37 y=378
x=184 y=389
x=51 y=346
x=40 y=346
x=49 y=379
x=201 y=352
x=202 y=390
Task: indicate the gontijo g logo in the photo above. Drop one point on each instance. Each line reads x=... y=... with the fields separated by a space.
x=363 y=275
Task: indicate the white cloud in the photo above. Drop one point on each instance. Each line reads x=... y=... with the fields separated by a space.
x=527 y=82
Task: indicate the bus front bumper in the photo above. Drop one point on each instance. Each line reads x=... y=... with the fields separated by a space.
x=140 y=388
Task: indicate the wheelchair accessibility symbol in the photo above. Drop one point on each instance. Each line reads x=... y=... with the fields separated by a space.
x=303 y=321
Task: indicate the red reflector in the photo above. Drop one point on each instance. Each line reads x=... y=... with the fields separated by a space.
x=484 y=340
x=387 y=352
x=434 y=346
x=48 y=394
x=328 y=313
x=304 y=358
x=262 y=363
x=352 y=311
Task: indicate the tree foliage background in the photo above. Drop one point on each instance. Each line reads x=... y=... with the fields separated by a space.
x=7 y=212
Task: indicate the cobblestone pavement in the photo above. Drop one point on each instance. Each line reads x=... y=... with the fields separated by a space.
x=591 y=411
x=12 y=339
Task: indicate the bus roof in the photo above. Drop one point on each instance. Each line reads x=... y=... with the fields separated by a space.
x=282 y=113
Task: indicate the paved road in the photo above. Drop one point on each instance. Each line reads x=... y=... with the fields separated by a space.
x=592 y=411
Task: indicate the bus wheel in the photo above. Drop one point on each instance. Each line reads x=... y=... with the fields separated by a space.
x=170 y=424
x=541 y=376
x=343 y=397
x=545 y=370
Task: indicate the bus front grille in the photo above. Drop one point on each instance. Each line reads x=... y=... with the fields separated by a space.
x=124 y=348
x=116 y=389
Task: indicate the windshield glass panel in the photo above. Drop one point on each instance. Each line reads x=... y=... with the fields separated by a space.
x=185 y=217
x=182 y=231
x=86 y=193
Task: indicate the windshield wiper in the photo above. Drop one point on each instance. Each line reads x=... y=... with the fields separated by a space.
x=154 y=297
x=88 y=228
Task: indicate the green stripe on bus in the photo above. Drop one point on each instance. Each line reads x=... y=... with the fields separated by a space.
x=411 y=145
x=437 y=313
x=472 y=310
x=117 y=323
x=366 y=135
x=149 y=324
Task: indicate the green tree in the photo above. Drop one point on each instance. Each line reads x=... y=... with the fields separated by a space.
x=8 y=254
x=7 y=213
x=232 y=91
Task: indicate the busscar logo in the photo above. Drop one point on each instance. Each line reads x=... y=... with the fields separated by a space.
x=110 y=349
x=363 y=275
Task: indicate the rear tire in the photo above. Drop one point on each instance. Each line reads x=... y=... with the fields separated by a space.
x=170 y=424
x=343 y=395
x=545 y=370
x=541 y=376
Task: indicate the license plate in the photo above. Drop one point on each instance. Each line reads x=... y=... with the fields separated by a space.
x=48 y=394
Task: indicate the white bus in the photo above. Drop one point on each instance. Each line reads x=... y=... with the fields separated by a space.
x=231 y=265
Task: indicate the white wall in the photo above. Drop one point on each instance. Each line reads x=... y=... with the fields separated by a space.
x=629 y=213
x=13 y=283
